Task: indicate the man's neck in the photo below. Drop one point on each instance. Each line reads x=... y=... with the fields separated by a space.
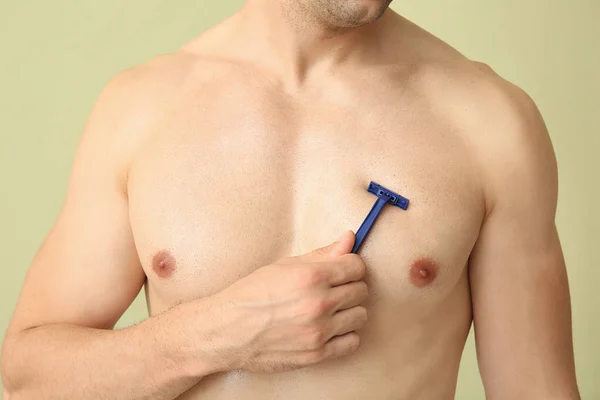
x=297 y=43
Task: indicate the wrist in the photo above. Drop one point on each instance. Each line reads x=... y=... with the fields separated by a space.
x=199 y=337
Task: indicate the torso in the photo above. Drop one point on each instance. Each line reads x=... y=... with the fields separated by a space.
x=240 y=173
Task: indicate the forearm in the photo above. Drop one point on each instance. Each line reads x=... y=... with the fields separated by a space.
x=150 y=360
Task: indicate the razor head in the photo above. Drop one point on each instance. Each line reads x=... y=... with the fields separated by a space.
x=391 y=197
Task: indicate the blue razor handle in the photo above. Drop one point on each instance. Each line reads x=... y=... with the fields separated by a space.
x=384 y=196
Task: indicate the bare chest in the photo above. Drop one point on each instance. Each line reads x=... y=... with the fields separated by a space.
x=219 y=192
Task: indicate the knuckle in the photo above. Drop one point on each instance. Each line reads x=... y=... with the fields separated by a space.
x=317 y=336
x=310 y=277
x=320 y=306
x=315 y=307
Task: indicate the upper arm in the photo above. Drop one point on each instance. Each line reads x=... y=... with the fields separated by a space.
x=519 y=285
x=87 y=271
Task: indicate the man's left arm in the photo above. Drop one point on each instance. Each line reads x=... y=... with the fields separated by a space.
x=520 y=291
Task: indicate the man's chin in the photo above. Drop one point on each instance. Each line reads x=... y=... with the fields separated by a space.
x=364 y=12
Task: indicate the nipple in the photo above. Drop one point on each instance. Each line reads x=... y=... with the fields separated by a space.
x=164 y=264
x=423 y=272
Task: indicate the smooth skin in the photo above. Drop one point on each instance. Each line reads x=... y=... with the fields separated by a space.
x=294 y=106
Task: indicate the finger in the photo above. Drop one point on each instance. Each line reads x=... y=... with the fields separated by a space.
x=342 y=246
x=349 y=295
x=348 y=320
x=345 y=269
x=338 y=346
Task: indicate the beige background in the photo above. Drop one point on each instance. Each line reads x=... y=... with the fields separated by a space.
x=56 y=56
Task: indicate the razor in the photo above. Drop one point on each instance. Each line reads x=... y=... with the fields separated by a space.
x=384 y=196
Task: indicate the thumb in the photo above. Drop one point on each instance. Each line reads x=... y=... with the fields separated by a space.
x=340 y=247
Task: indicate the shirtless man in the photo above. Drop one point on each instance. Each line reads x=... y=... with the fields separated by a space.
x=210 y=175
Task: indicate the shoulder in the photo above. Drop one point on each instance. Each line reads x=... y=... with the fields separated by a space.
x=464 y=91
x=487 y=107
x=145 y=87
x=453 y=83
x=511 y=143
x=128 y=108
x=499 y=123
x=506 y=133
x=146 y=92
